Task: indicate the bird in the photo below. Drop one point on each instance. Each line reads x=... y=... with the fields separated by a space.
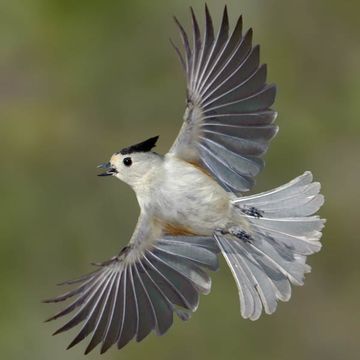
x=193 y=206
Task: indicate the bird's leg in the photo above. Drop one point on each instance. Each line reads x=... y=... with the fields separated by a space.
x=235 y=231
x=250 y=211
x=241 y=234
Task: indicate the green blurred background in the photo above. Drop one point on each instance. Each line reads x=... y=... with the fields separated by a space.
x=81 y=79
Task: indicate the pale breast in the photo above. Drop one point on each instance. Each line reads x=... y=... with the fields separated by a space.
x=190 y=199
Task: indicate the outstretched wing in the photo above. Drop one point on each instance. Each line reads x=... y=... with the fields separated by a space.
x=228 y=122
x=139 y=290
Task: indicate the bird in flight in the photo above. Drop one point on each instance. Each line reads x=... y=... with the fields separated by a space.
x=193 y=208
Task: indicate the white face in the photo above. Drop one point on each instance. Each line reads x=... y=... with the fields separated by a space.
x=132 y=168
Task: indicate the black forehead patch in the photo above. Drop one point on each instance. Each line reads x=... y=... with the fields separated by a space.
x=144 y=146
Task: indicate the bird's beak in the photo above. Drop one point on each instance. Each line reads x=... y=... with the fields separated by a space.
x=109 y=170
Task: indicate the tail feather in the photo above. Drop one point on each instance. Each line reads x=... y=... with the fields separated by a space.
x=294 y=186
x=270 y=253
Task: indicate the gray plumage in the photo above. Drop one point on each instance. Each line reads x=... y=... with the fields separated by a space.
x=281 y=237
x=228 y=121
x=192 y=208
x=120 y=301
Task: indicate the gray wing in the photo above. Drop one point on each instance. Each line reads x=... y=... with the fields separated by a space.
x=228 y=122
x=139 y=290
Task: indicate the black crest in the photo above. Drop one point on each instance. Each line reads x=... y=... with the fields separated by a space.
x=144 y=146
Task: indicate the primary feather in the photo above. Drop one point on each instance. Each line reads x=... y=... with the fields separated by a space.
x=131 y=295
x=228 y=122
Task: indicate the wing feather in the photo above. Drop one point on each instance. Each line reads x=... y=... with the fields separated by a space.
x=162 y=306
x=95 y=314
x=179 y=291
x=228 y=103
x=146 y=311
x=114 y=325
x=139 y=290
x=128 y=328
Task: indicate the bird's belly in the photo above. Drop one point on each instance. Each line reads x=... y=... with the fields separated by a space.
x=196 y=207
x=193 y=219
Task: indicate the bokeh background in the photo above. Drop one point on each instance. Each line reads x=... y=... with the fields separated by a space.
x=81 y=79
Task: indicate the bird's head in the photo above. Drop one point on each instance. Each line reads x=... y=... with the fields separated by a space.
x=133 y=163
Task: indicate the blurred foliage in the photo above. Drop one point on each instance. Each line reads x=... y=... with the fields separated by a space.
x=81 y=79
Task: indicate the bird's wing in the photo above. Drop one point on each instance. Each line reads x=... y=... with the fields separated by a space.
x=228 y=121
x=138 y=291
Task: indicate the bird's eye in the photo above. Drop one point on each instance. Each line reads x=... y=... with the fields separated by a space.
x=127 y=161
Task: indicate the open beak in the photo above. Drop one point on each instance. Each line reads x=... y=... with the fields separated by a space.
x=109 y=170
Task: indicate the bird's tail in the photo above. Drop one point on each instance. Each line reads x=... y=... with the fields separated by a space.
x=270 y=253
